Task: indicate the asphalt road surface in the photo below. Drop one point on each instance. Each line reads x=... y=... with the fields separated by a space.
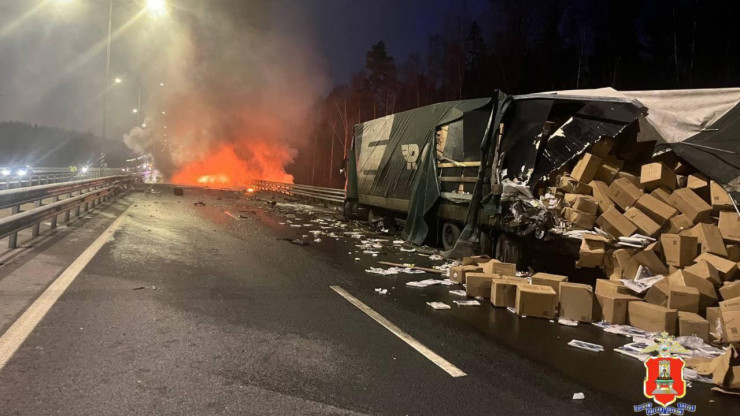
x=206 y=309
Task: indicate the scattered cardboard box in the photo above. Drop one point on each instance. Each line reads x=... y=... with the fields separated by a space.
x=692 y=324
x=547 y=279
x=727 y=269
x=579 y=218
x=710 y=239
x=733 y=252
x=457 y=273
x=620 y=258
x=615 y=224
x=730 y=290
x=497 y=267
x=663 y=195
x=630 y=177
x=726 y=370
x=624 y=193
x=652 y=318
x=576 y=301
x=657 y=210
x=479 y=284
x=601 y=195
x=679 y=250
x=610 y=287
x=475 y=260
x=592 y=251
x=503 y=291
x=608 y=171
x=730 y=311
x=679 y=223
x=570 y=185
x=586 y=168
x=721 y=200
x=707 y=294
x=658 y=293
x=586 y=204
x=655 y=175
x=699 y=185
x=613 y=308
x=706 y=271
x=689 y=203
x=644 y=224
x=683 y=298
x=647 y=258
x=729 y=226
x=535 y=300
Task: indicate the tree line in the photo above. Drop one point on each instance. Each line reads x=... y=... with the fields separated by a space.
x=524 y=46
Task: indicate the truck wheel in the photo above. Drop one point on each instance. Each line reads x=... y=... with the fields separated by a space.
x=450 y=233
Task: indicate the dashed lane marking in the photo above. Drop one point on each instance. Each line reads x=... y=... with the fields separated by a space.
x=411 y=341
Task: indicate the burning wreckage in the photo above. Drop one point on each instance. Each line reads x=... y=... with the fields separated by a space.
x=638 y=189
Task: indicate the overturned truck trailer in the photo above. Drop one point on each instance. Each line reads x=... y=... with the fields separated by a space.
x=485 y=166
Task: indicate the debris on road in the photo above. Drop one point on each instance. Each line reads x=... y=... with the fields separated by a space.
x=178 y=191
x=199 y=204
x=578 y=396
x=586 y=345
x=296 y=241
x=381 y=291
x=439 y=305
x=466 y=302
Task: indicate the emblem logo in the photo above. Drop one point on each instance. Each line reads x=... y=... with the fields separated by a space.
x=664 y=381
x=410 y=154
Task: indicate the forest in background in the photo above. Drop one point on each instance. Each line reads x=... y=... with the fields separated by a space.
x=524 y=46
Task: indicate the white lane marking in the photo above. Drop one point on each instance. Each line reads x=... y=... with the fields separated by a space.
x=12 y=339
x=231 y=215
x=418 y=346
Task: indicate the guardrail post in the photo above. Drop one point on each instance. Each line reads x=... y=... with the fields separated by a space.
x=54 y=218
x=35 y=230
x=68 y=212
x=13 y=238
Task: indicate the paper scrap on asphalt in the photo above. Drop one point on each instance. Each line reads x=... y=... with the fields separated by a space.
x=436 y=257
x=424 y=283
x=630 y=353
x=458 y=292
x=381 y=291
x=586 y=345
x=438 y=305
x=408 y=250
x=567 y=322
x=578 y=396
x=467 y=303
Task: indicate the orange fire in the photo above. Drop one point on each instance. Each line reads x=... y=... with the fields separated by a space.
x=225 y=169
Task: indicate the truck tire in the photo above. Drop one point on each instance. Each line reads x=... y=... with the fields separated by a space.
x=450 y=234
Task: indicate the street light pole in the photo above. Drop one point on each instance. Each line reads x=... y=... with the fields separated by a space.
x=107 y=73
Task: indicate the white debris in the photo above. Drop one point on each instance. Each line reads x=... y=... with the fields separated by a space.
x=295 y=225
x=357 y=259
x=384 y=272
x=467 y=303
x=398 y=242
x=578 y=396
x=641 y=284
x=448 y=282
x=511 y=309
x=371 y=252
x=438 y=305
x=424 y=283
x=567 y=322
x=436 y=257
x=381 y=291
x=586 y=345
x=458 y=292
x=408 y=250
x=317 y=240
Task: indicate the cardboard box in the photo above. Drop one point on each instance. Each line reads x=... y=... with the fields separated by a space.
x=503 y=291
x=586 y=204
x=726 y=369
x=658 y=293
x=683 y=298
x=679 y=250
x=630 y=177
x=699 y=185
x=730 y=311
x=475 y=260
x=644 y=224
x=457 y=273
x=655 y=175
x=662 y=195
x=624 y=193
x=692 y=324
x=576 y=301
x=610 y=288
x=608 y=170
x=647 y=258
x=620 y=258
x=615 y=224
x=727 y=269
x=729 y=226
x=592 y=251
x=479 y=284
x=710 y=239
x=719 y=198
x=535 y=300
x=706 y=271
x=679 y=223
x=714 y=317
x=730 y=290
x=653 y=318
x=497 y=267
x=547 y=279
x=657 y=210
x=570 y=185
x=586 y=168
x=579 y=218
x=733 y=252
x=707 y=294
x=601 y=195
x=603 y=147
x=614 y=307
x=690 y=204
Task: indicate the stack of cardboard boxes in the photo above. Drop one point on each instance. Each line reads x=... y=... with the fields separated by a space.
x=697 y=246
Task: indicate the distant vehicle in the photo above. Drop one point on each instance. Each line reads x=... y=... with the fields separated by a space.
x=17 y=171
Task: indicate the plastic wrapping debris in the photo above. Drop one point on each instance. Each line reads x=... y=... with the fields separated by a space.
x=567 y=322
x=317 y=240
x=295 y=225
x=438 y=305
x=458 y=292
x=511 y=309
x=626 y=330
x=586 y=345
x=642 y=284
x=424 y=283
x=690 y=342
x=691 y=375
x=381 y=291
x=602 y=324
x=370 y=252
x=408 y=250
x=357 y=259
x=398 y=242
x=631 y=353
x=466 y=303
x=436 y=257
x=578 y=396
x=381 y=271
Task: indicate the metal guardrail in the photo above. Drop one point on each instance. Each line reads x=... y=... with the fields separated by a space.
x=88 y=193
x=315 y=192
x=42 y=176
